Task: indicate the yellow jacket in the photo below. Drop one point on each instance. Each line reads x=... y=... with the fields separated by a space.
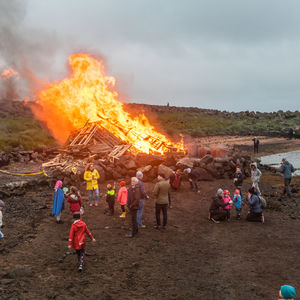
x=91 y=183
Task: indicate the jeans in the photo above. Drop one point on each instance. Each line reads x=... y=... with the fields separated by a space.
x=286 y=189
x=164 y=208
x=194 y=184
x=140 y=213
x=135 y=227
x=91 y=195
x=238 y=213
x=80 y=256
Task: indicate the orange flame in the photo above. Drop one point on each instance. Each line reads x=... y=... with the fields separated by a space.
x=8 y=73
x=88 y=95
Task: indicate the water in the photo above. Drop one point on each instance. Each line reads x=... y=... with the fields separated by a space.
x=274 y=160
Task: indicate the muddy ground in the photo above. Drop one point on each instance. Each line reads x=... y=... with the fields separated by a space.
x=192 y=259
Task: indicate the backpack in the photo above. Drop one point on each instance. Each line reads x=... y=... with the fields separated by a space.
x=262 y=202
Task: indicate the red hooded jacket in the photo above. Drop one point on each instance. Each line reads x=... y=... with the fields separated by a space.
x=77 y=234
x=75 y=203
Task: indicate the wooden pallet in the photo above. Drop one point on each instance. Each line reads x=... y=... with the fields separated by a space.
x=117 y=152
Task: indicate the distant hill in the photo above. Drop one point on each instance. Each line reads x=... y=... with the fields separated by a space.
x=18 y=126
x=198 y=122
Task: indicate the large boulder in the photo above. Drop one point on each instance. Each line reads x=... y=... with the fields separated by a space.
x=143 y=159
x=127 y=162
x=166 y=171
x=202 y=151
x=207 y=159
x=219 y=151
x=187 y=162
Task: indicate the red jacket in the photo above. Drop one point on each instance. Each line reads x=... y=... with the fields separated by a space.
x=77 y=234
x=75 y=205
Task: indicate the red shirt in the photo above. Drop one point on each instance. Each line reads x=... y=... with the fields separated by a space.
x=75 y=205
x=77 y=234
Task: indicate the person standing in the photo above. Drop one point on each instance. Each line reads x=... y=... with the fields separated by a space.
x=287 y=169
x=255 y=144
x=58 y=202
x=255 y=177
x=91 y=177
x=238 y=179
x=2 y=204
x=255 y=213
x=161 y=192
x=122 y=198
x=77 y=238
x=144 y=196
x=133 y=203
x=75 y=200
x=194 y=176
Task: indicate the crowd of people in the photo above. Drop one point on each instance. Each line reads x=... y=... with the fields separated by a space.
x=135 y=196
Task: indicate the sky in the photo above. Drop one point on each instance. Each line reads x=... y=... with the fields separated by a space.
x=228 y=55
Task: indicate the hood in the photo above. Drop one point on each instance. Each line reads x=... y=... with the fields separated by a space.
x=79 y=224
x=254 y=164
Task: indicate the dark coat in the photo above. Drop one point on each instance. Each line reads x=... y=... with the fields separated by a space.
x=217 y=203
x=254 y=203
x=195 y=174
x=240 y=178
x=134 y=196
x=287 y=169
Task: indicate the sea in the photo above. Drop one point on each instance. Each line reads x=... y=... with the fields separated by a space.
x=274 y=160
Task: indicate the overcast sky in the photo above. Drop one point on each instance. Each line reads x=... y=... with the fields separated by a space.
x=228 y=55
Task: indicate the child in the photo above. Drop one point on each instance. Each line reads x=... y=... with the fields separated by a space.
x=122 y=198
x=238 y=179
x=227 y=199
x=238 y=203
x=2 y=204
x=58 y=201
x=74 y=199
x=287 y=292
x=110 y=199
x=77 y=238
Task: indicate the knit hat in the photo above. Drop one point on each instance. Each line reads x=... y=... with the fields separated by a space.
x=287 y=292
x=109 y=186
x=220 y=192
x=237 y=191
x=58 y=184
x=122 y=183
x=139 y=175
x=226 y=192
x=2 y=204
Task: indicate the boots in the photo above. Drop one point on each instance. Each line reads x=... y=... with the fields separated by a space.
x=123 y=215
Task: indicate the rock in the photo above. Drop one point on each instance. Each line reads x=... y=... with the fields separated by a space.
x=143 y=159
x=166 y=171
x=170 y=161
x=145 y=169
x=127 y=162
x=202 y=151
x=187 y=162
x=207 y=159
x=19 y=273
x=219 y=151
x=205 y=175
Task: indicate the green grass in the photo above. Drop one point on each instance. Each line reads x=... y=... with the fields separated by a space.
x=197 y=124
x=24 y=131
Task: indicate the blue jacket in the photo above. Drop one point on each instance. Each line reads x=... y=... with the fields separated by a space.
x=287 y=169
x=238 y=201
x=58 y=202
x=254 y=204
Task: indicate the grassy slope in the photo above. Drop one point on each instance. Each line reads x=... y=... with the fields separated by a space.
x=198 y=124
x=24 y=131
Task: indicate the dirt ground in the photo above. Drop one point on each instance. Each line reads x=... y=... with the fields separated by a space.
x=192 y=259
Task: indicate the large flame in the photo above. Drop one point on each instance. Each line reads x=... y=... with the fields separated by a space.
x=88 y=95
